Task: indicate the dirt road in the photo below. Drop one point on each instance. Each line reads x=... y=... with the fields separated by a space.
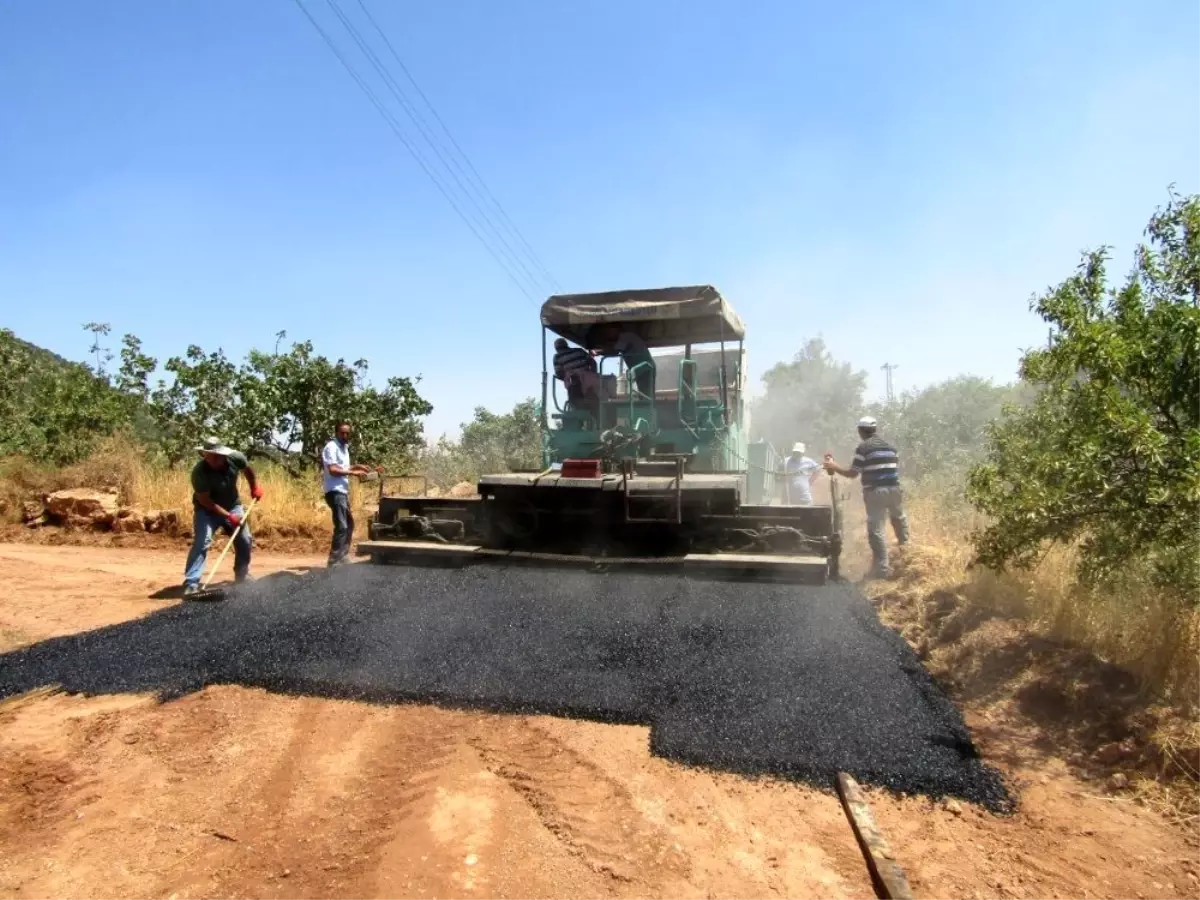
x=238 y=792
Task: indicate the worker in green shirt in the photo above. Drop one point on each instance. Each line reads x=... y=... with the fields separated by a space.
x=216 y=507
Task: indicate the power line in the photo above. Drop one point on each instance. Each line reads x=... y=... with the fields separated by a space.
x=482 y=219
x=399 y=132
x=513 y=229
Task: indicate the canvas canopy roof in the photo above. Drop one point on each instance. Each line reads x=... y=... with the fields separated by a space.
x=663 y=317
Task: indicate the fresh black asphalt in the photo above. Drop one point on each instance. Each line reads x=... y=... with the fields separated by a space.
x=755 y=678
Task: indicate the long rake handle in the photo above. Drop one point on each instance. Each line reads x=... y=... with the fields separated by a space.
x=228 y=544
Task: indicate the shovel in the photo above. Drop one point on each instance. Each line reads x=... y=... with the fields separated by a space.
x=218 y=593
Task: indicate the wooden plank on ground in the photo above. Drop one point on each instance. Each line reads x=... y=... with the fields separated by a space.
x=887 y=875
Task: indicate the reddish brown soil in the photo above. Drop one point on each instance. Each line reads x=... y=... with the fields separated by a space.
x=241 y=793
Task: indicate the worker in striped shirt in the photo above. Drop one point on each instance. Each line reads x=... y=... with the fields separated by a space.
x=576 y=369
x=878 y=464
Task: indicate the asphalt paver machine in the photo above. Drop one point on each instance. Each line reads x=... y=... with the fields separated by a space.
x=646 y=463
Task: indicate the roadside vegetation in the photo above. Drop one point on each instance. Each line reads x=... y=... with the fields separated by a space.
x=1065 y=505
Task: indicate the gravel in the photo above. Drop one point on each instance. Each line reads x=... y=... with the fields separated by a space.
x=786 y=680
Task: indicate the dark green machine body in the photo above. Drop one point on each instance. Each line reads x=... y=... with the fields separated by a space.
x=697 y=412
x=637 y=472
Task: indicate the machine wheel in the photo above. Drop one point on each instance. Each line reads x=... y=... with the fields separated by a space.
x=514 y=522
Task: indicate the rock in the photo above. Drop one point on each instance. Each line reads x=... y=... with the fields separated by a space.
x=41 y=520
x=952 y=806
x=98 y=507
x=161 y=521
x=32 y=510
x=1075 y=759
x=129 y=523
x=1118 y=782
x=1113 y=753
x=462 y=489
x=434 y=491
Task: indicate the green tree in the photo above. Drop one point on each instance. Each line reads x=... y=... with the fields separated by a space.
x=507 y=442
x=941 y=430
x=813 y=398
x=53 y=410
x=1109 y=451
x=200 y=400
x=490 y=442
x=284 y=405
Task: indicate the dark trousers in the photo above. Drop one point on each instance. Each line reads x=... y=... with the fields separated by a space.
x=343 y=525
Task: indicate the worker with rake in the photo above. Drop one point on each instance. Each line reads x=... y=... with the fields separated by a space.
x=217 y=507
x=878 y=463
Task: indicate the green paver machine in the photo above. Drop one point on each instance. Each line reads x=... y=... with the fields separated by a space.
x=646 y=461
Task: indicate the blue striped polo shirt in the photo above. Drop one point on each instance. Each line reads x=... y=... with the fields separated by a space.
x=878 y=463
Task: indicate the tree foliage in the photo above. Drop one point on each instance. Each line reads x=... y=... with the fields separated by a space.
x=1109 y=451
x=280 y=404
x=285 y=405
x=490 y=442
x=55 y=411
x=814 y=398
x=941 y=430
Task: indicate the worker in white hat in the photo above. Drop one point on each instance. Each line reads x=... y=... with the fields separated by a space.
x=799 y=473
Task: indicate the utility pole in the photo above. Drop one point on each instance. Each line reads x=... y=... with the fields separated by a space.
x=889 y=368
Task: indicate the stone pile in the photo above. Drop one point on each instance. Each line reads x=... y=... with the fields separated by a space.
x=84 y=508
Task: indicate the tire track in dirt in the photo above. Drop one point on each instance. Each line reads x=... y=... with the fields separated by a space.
x=593 y=816
x=339 y=782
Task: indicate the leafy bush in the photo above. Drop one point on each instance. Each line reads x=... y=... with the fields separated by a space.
x=490 y=442
x=941 y=430
x=1108 y=454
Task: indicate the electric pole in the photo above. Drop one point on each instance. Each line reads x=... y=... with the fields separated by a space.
x=889 y=368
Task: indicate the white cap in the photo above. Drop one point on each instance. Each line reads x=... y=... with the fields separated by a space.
x=798 y=447
x=868 y=422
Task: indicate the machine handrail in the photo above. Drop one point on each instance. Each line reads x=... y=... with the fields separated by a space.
x=635 y=391
x=689 y=389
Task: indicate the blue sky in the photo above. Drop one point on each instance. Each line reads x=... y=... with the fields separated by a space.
x=205 y=171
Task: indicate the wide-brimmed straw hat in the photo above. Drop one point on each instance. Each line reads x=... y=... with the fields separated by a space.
x=213 y=445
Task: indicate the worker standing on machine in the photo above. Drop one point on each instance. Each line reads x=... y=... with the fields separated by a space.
x=878 y=463
x=576 y=369
x=799 y=471
x=633 y=352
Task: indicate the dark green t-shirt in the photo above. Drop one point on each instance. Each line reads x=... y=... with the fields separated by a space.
x=219 y=484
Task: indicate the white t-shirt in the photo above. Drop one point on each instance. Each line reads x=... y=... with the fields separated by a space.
x=798 y=472
x=335 y=454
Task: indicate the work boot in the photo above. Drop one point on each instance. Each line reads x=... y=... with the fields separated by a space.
x=243 y=579
x=878 y=573
x=189 y=589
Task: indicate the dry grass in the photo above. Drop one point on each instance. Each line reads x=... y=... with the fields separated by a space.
x=1153 y=635
x=291 y=507
x=1085 y=666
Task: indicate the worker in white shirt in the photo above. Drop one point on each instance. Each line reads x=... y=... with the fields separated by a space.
x=336 y=472
x=800 y=472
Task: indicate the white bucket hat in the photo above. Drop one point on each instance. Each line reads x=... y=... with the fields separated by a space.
x=213 y=445
x=798 y=447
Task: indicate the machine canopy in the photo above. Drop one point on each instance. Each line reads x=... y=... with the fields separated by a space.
x=662 y=317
